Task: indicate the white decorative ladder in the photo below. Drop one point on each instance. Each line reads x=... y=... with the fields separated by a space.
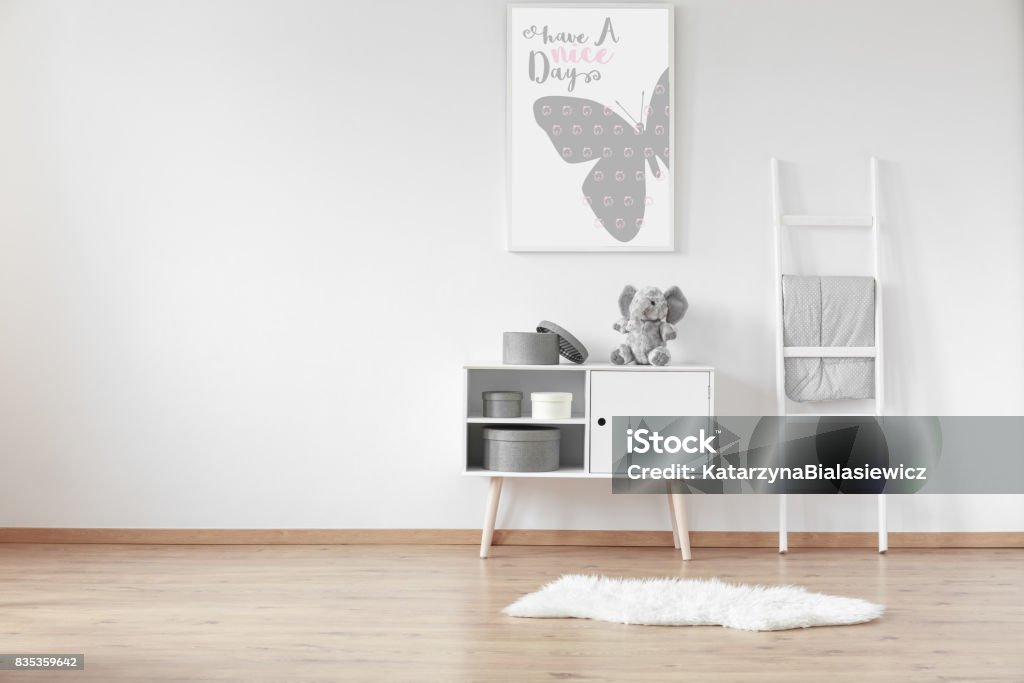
x=782 y=220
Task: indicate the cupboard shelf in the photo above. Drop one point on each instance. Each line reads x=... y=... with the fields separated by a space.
x=560 y=473
x=480 y=419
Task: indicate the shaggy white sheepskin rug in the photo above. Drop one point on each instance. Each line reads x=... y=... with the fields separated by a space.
x=691 y=602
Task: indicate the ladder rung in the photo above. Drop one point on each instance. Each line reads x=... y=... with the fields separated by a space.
x=843 y=413
x=829 y=351
x=798 y=220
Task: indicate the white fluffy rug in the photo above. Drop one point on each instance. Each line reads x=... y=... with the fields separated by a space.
x=691 y=602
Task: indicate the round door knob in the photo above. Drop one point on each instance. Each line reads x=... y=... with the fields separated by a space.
x=601 y=421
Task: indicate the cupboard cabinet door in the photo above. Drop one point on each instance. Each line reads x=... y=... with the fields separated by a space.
x=624 y=392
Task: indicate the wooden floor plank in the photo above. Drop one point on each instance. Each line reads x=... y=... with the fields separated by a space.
x=416 y=613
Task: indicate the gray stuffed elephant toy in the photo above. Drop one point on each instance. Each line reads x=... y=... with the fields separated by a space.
x=648 y=319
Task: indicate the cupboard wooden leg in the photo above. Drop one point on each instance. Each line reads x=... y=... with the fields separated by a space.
x=883 y=525
x=783 y=531
x=672 y=516
x=679 y=513
x=490 y=514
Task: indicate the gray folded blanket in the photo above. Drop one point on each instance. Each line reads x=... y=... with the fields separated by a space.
x=828 y=311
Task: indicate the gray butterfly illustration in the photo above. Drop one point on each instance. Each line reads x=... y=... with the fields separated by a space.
x=583 y=130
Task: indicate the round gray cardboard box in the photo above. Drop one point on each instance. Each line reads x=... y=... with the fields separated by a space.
x=521 y=449
x=503 y=403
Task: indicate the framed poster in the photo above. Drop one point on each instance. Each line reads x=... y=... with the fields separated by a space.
x=589 y=128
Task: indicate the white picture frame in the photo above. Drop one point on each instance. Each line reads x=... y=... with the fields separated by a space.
x=554 y=197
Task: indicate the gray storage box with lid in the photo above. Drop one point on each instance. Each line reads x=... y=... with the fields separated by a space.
x=503 y=403
x=521 y=449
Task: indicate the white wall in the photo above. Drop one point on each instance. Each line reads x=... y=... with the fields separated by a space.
x=236 y=236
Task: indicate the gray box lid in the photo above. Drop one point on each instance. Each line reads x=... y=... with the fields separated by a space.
x=503 y=396
x=522 y=433
x=569 y=347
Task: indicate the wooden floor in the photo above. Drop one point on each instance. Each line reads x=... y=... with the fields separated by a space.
x=432 y=613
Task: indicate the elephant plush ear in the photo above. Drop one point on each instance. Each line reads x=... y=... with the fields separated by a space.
x=677 y=304
x=626 y=298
